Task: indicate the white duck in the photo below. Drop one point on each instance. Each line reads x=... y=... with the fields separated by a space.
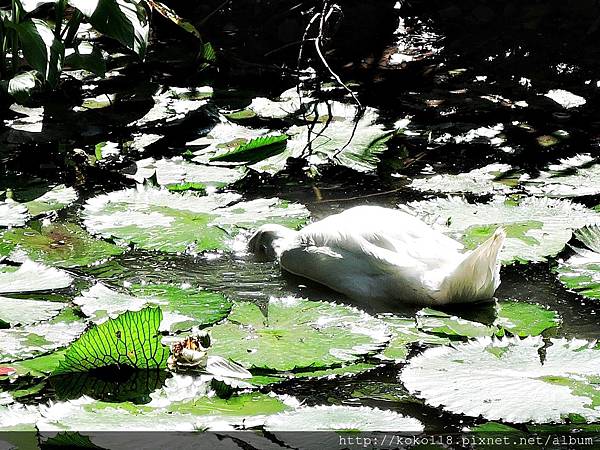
x=370 y=253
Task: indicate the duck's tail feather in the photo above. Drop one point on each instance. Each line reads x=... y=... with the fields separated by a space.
x=478 y=275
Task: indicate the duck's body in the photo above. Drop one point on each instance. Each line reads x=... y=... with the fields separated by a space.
x=372 y=253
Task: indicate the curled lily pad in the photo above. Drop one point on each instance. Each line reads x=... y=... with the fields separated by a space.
x=341 y=418
x=34 y=340
x=16 y=311
x=159 y=220
x=297 y=334
x=56 y=243
x=486 y=180
x=492 y=377
x=131 y=340
x=536 y=228
x=176 y=171
x=581 y=272
x=31 y=277
x=12 y=214
x=183 y=307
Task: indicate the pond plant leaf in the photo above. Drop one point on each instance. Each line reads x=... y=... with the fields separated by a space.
x=12 y=214
x=440 y=323
x=506 y=379
x=156 y=219
x=16 y=311
x=176 y=172
x=34 y=340
x=482 y=181
x=57 y=198
x=22 y=85
x=297 y=334
x=30 y=277
x=182 y=307
x=255 y=150
x=131 y=339
x=536 y=228
x=581 y=272
x=61 y=244
x=342 y=419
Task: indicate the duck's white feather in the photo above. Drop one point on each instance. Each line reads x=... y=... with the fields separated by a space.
x=374 y=253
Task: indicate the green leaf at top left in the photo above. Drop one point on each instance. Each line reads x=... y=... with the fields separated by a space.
x=41 y=48
x=56 y=244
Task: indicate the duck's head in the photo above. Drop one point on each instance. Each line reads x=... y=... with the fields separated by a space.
x=269 y=241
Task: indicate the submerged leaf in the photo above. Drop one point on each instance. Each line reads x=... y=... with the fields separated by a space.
x=131 y=339
x=492 y=377
x=536 y=228
x=297 y=334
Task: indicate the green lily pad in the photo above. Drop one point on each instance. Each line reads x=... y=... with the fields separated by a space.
x=34 y=340
x=486 y=180
x=57 y=198
x=16 y=311
x=255 y=150
x=131 y=340
x=438 y=322
x=581 y=272
x=297 y=334
x=341 y=418
x=58 y=244
x=183 y=307
x=492 y=377
x=525 y=319
x=31 y=277
x=171 y=222
x=577 y=176
x=39 y=366
x=536 y=228
x=404 y=333
x=12 y=214
x=176 y=172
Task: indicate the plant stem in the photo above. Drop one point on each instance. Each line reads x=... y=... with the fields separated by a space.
x=60 y=11
x=71 y=28
x=15 y=38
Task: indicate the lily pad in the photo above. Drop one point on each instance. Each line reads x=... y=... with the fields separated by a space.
x=57 y=198
x=341 y=418
x=297 y=334
x=486 y=180
x=56 y=243
x=31 y=277
x=340 y=140
x=404 y=333
x=12 y=214
x=565 y=99
x=176 y=171
x=492 y=378
x=34 y=340
x=577 y=176
x=183 y=307
x=131 y=340
x=16 y=311
x=159 y=220
x=536 y=228
x=581 y=272
x=438 y=322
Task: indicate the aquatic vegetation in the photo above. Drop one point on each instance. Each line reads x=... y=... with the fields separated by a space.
x=30 y=277
x=492 y=377
x=581 y=272
x=536 y=228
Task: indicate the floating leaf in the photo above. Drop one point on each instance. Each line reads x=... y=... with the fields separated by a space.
x=565 y=99
x=536 y=227
x=486 y=180
x=34 y=340
x=581 y=272
x=12 y=214
x=55 y=199
x=492 y=377
x=26 y=312
x=256 y=150
x=287 y=104
x=438 y=322
x=577 y=176
x=525 y=319
x=297 y=334
x=404 y=333
x=183 y=308
x=341 y=418
x=159 y=220
x=176 y=172
x=30 y=277
x=130 y=340
x=58 y=244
